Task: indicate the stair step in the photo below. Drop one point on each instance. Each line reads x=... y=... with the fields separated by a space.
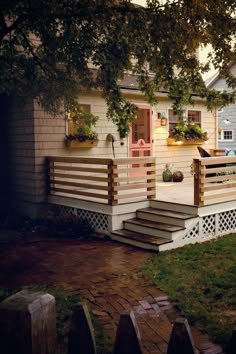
x=139 y=240
x=152 y=228
x=169 y=213
x=154 y=225
x=165 y=216
x=188 y=209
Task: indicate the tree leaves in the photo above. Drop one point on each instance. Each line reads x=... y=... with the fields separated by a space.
x=53 y=49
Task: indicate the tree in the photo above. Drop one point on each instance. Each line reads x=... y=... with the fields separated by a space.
x=50 y=50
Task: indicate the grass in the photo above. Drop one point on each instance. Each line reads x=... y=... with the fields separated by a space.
x=65 y=304
x=201 y=280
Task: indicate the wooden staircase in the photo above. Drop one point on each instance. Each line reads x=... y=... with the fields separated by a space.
x=159 y=224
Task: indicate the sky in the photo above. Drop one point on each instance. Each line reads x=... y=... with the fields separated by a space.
x=203 y=51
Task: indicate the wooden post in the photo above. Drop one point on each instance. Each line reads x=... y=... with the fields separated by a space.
x=48 y=167
x=111 y=183
x=28 y=324
x=197 y=182
x=232 y=344
x=181 y=340
x=150 y=178
x=127 y=335
x=81 y=336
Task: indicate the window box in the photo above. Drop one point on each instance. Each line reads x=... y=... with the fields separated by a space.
x=172 y=141
x=81 y=144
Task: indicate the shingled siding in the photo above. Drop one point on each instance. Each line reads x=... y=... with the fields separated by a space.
x=181 y=157
x=228 y=112
x=34 y=134
x=20 y=154
x=4 y=188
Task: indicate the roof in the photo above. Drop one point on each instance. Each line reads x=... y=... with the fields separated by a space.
x=214 y=78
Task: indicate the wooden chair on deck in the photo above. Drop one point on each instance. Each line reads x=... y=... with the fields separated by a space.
x=204 y=153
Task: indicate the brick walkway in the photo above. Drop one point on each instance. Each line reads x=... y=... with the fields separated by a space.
x=103 y=273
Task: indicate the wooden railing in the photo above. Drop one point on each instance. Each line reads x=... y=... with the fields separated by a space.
x=214 y=180
x=105 y=180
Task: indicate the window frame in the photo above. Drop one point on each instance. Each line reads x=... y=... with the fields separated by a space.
x=221 y=136
x=70 y=128
x=186 y=113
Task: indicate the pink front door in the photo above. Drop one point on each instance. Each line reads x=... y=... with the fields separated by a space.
x=141 y=133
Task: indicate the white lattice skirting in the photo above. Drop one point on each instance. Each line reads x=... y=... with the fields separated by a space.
x=206 y=228
x=97 y=221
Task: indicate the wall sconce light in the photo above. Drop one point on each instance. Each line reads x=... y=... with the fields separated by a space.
x=226 y=121
x=163 y=120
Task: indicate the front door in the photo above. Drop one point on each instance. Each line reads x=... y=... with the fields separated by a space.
x=141 y=133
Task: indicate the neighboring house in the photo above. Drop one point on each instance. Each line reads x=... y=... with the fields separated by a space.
x=226 y=115
x=31 y=134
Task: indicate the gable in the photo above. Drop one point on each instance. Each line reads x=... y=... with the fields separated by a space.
x=219 y=83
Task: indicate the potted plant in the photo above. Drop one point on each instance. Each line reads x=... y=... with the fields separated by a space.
x=82 y=133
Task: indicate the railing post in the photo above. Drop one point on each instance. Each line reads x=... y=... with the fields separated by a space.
x=50 y=175
x=127 y=336
x=197 y=182
x=28 y=323
x=81 y=335
x=111 y=183
x=151 y=176
x=181 y=340
x=231 y=349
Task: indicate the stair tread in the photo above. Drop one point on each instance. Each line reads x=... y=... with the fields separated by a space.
x=154 y=225
x=141 y=237
x=173 y=214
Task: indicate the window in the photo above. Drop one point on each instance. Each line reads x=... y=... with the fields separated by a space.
x=226 y=135
x=192 y=116
x=72 y=130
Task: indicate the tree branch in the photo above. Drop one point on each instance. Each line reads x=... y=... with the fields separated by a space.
x=8 y=29
x=32 y=51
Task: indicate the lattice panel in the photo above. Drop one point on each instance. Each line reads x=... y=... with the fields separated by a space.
x=208 y=226
x=97 y=221
x=227 y=221
x=193 y=233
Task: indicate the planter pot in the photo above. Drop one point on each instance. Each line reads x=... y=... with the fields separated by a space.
x=171 y=141
x=81 y=144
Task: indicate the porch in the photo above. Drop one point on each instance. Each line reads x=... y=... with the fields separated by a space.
x=121 y=198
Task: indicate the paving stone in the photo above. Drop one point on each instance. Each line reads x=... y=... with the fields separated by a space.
x=163 y=303
x=98 y=271
x=145 y=305
x=161 y=298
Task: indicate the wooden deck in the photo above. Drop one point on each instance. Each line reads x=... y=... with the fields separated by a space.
x=176 y=192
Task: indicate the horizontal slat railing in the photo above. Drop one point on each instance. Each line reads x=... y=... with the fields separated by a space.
x=214 y=180
x=105 y=180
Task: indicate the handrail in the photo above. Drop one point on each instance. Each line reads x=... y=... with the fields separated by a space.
x=105 y=180
x=214 y=180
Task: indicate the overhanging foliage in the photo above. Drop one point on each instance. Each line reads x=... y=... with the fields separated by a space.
x=47 y=50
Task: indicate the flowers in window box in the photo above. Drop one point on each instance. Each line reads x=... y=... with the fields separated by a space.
x=83 y=122
x=186 y=130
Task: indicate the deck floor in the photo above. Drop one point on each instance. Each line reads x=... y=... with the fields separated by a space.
x=176 y=192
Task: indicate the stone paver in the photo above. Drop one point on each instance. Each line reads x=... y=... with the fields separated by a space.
x=102 y=273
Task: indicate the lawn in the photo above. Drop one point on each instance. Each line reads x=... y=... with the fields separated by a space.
x=201 y=280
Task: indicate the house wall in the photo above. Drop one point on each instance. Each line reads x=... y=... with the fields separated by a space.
x=34 y=134
x=21 y=155
x=228 y=112
x=181 y=157
x=4 y=187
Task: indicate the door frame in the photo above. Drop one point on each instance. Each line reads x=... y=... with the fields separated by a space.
x=147 y=145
